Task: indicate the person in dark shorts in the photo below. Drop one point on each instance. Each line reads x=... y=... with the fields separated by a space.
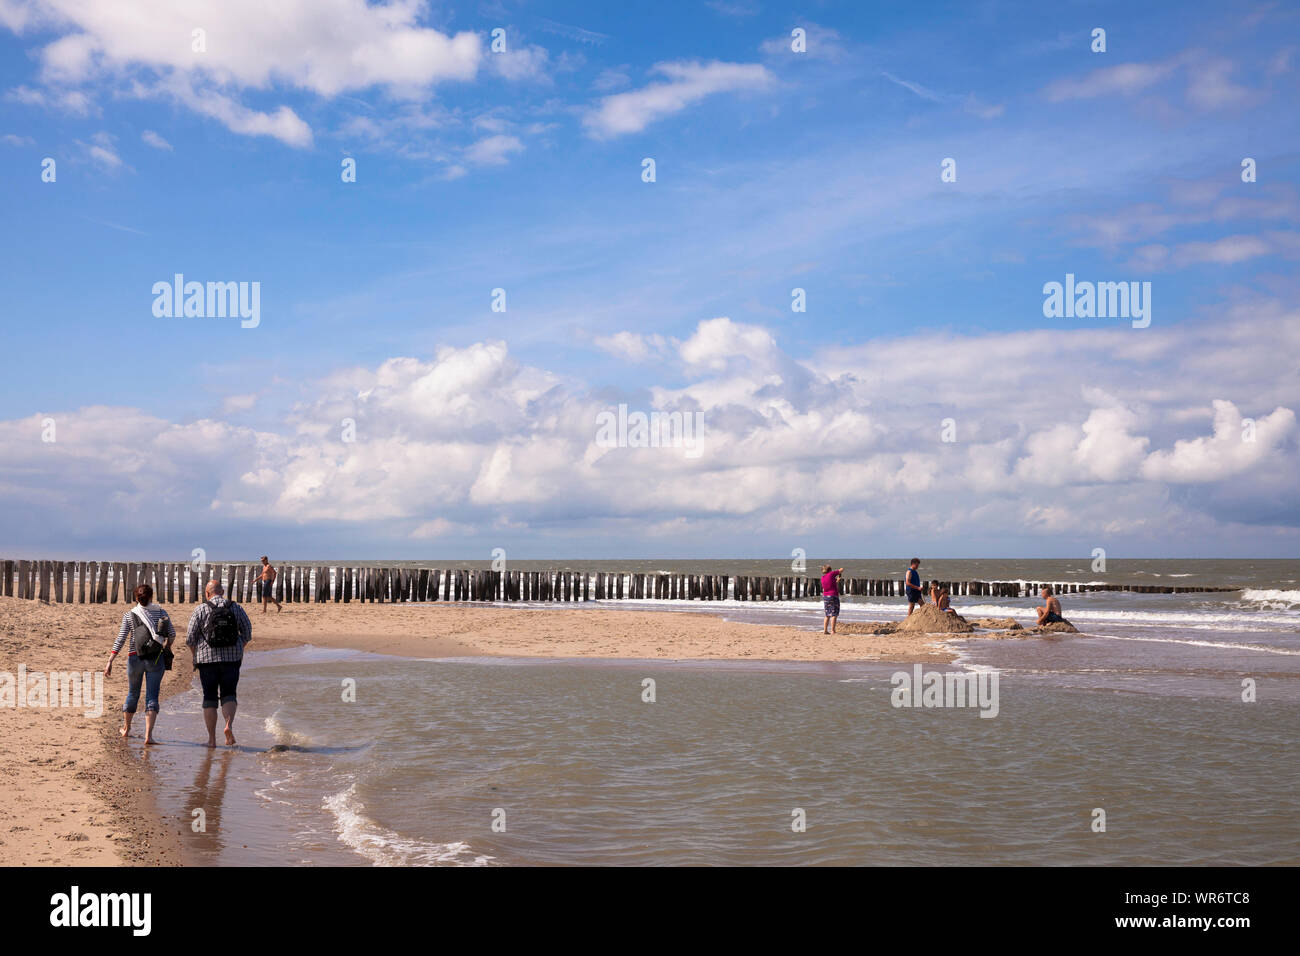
x=1050 y=612
x=912 y=586
x=266 y=585
x=830 y=597
x=218 y=663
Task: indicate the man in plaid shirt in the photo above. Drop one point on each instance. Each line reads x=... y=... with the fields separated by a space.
x=218 y=667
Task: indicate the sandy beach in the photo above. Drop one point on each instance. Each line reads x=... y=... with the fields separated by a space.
x=79 y=794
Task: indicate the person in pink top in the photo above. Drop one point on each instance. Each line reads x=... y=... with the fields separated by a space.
x=830 y=597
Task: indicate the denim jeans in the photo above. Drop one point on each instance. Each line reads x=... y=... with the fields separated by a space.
x=151 y=675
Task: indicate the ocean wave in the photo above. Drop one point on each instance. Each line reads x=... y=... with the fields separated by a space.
x=384 y=847
x=1243 y=618
x=1222 y=645
x=1271 y=598
x=1172 y=618
x=282 y=735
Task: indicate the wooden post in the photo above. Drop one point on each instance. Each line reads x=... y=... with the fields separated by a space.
x=9 y=578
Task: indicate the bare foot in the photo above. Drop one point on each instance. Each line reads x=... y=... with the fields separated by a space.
x=230 y=738
x=212 y=742
x=149 y=740
x=123 y=731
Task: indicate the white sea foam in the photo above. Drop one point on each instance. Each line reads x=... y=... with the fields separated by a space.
x=1271 y=598
x=1222 y=645
x=1227 y=619
x=282 y=735
x=384 y=847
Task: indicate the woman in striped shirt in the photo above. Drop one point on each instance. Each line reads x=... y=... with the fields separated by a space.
x=142 y=670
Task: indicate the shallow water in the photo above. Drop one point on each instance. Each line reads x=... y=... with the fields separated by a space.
x=1142 y=717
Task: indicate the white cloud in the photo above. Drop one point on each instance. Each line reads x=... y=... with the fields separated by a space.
x=325 y=47
x=66 y=101
x=1227 y=452
x=151 y=138
x=1124 y=79
x=519 y=63
x=238 y=403
x=848 y=439
x=493 y=150
x=686 y=83
x=101 y=150
x=1209 y=82
x=632 y=346
x=1210 y=86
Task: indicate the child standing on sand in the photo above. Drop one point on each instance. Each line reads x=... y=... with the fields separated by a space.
x=830 y=597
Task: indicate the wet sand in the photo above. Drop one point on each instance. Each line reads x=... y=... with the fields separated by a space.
x=78 y=794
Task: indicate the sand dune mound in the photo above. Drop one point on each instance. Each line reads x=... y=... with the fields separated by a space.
x=928 y=619
x=867 y=627
x=997 y=623
x=1057 y=627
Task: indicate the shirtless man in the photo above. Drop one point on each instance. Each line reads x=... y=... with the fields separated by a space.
x=268 y=584
x=1050 y=612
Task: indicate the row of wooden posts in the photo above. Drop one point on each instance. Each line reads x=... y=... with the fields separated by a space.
x=101 y=582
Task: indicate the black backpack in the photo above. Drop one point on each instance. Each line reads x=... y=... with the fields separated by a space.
x=221 y=629
x=146 y=647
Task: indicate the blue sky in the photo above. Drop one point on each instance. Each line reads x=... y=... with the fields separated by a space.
x=775 y=169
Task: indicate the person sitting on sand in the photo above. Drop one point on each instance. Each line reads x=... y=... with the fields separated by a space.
x=830 y=597
x=218 y=631
x=267 y=581
x=151 y=633
x=1050 y=612
x=912 y=585
x=941 y=599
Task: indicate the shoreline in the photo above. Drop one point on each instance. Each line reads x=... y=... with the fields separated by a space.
x=84 y=796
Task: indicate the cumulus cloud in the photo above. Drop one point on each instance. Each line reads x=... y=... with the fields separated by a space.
x=324 y=47
x=684 y=83
x=471 y=439
x=1232 y=449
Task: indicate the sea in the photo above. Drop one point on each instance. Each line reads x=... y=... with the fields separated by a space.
x=1164 y=734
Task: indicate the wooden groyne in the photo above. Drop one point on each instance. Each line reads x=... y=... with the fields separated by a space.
x=107 y=582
